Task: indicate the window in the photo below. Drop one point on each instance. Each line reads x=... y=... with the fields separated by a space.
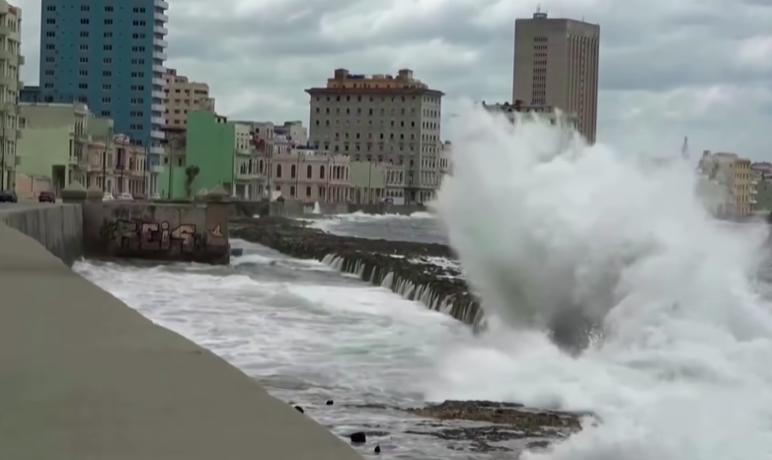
x=108 y=22
x=108 y=47
x=51 y=21
x=83 y=59
x=108 y=35
x=82 y=85
x=51 y=34
x=309 y=172
x=107 y=87
x=292 y=190
x=321 y=172
x=84 y=8
x=50 y=46
x=84 y=21
x=84 y=34
x=109 y=9
x=293 y=172
x=308 y=191
x=278 y=171
x=107 y=73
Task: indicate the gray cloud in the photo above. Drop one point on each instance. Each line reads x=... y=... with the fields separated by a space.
x=669 y=68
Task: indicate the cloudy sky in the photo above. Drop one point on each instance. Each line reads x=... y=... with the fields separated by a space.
x=669 y=68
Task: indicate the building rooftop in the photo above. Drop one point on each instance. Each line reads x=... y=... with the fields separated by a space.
x=343 y=80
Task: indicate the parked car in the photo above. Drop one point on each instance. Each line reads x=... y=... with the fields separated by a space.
x=125 y=197
x=8 y=196
x=47 y=197
x=108 y=197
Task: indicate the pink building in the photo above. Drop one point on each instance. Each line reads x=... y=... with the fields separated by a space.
x=309 y=176
x=118 y=167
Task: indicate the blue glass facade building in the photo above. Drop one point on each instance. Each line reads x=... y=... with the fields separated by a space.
x=109 y=54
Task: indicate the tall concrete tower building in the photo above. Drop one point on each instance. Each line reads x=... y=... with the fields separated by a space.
x=109 y=55
x=556 y=64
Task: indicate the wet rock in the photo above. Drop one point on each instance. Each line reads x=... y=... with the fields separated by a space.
x=377 y=449
x=358 y=438
x=300 y=409
x=392 y=264
x=515 y=415
x=538 y=445
x=329 y=402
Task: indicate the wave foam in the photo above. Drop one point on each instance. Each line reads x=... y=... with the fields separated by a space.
x=619 y=263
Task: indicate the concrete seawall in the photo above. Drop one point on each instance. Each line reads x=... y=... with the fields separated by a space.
x=84 y=377
x=57 y=228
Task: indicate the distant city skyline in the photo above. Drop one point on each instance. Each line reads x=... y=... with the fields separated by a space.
x=667 y=69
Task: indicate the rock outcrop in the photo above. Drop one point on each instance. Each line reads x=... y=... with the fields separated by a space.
x=417 y=271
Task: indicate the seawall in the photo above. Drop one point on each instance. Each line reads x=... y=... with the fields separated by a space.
x=84 y=377
x=58 y=228
x=407 y=268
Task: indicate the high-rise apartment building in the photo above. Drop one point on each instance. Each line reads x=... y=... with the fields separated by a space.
x=110 y=55
x=183 y=96
x=556 y=64
x=382 y=118
x=11 y=61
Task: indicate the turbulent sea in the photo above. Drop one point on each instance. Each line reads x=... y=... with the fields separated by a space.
x=555 y=236
x=308 y=333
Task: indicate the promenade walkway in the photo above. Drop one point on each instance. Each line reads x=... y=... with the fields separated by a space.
x=84 y=377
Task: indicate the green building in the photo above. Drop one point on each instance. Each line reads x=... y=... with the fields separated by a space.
x=53 y=141
x=217 y=153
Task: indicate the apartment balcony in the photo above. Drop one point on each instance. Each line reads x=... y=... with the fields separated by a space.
x=9 y=81
x=160 y=55
x=156 y=134
x=245 y=152
x=161 y=4
x=159 y=68
x=72 y=161
x=157 y=107
x=157 y=120
x=160 y=42
x=156 y=169
x=155 y=150
x=248 y=175
x=157 y=29
x=22 y=61
x=7 y=55
x=156 y=94
x=161 y=17
x=6 y=31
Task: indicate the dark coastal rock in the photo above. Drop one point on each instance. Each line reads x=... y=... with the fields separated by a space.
x=358 y=438
x=525 y=419
x=402 y=266
x=502 y=422
x=300 y=409
x=329 y=402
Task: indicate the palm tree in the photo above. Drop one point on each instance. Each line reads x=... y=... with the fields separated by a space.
x=190 y=175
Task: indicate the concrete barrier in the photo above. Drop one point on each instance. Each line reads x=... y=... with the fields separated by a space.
x=86 y=377
x=58 y=228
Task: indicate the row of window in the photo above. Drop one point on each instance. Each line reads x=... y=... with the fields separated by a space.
x=338 y=172
x=108 y=9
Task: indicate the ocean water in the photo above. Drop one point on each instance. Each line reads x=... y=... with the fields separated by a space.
x=308 y=334
x=606 y=285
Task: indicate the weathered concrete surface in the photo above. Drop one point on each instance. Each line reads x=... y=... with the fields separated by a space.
x=84 y=377
x=58 y=227
x=191 y=232
x=404 y=267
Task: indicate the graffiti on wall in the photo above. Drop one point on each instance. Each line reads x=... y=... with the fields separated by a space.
x=135 y=235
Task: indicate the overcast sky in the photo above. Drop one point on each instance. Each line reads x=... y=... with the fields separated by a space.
x=669 y=68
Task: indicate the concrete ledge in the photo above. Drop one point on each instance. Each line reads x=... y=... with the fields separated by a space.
x=84 y=377
x=57 y=227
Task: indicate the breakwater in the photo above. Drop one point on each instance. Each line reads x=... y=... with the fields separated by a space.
x=416 y=271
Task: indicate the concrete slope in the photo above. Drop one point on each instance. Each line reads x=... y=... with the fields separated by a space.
x=84 y=377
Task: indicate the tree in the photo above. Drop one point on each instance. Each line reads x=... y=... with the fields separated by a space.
x=190 y=175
